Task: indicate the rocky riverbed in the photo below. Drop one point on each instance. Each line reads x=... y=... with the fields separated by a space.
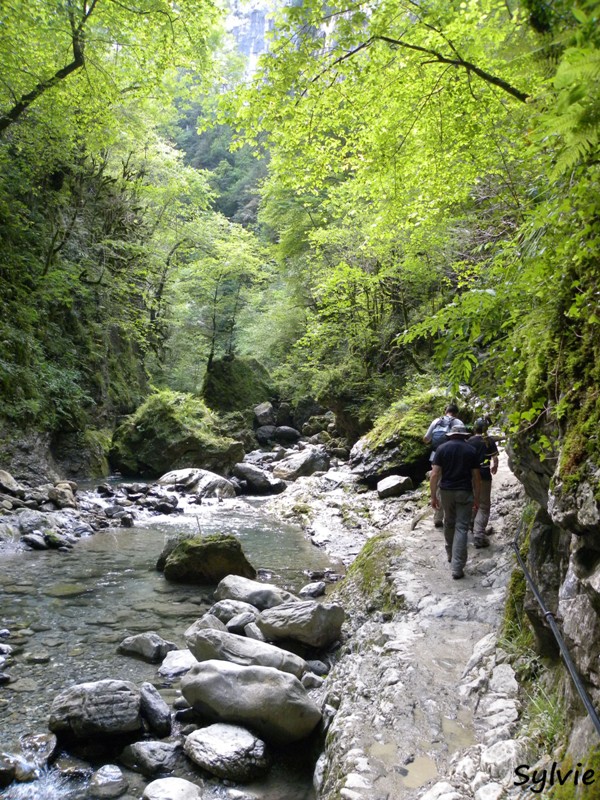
x=417 y=699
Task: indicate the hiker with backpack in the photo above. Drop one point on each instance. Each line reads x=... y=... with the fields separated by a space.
x=455 y=471
x=488 y=460
x=435 y=436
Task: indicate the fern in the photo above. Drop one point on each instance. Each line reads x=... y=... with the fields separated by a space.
x=575 y=117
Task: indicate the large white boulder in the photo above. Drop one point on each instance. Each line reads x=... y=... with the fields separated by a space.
x=315 y=624
x=228 y=751
x=273 y=703
x=260 y=595
x=222 y=645
x=172 y=789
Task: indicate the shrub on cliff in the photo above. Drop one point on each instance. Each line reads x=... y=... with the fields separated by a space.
x=171 y=430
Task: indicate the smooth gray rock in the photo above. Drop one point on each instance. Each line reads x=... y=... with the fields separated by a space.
x=228 y=751
x=205 y=622
x=252 y=631
x=225 y=646
x=238 y=623
x=273 y=703
x=314 y=589
x=108 y=782
x=200 y=482
x=150 y=757
x=225 y=610
x=393 y=486
x=260 y=595
x=258 y=479
x=155 y=710
x=172 y=789
x=100 y=708
x=315 y=624
x=304 y=462
x=149 y=646
x=264 y=414
x=177 y=662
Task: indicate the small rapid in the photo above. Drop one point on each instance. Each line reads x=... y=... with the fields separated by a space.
x=67 y=613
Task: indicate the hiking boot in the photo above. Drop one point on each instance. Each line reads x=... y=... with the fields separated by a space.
x=479 y=543
x=438 y=523
x=456 y=576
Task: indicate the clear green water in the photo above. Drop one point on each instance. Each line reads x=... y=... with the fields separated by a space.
x=68 y=612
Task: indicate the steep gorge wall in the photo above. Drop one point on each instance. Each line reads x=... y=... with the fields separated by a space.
x=564 y=556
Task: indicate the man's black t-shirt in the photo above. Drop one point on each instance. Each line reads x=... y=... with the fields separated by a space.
x=456 y=458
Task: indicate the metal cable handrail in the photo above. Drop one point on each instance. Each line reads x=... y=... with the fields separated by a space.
x=550 y=619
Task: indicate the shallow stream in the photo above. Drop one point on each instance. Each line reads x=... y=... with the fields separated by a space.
x=67 y=612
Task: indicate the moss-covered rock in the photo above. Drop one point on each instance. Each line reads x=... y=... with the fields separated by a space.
x=368 y=583
x=236 y=384
x=394 y=446
x=207 y=560
x=172 y=431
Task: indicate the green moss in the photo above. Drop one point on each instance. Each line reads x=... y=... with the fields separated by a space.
x=172 y=430
x=98 y=444
x=568 y=791
x=516 y=630
x=235 y=384
x=370 y=574
x=207 y=559
x=407 y=420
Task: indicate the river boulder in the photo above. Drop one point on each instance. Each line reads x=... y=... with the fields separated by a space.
x=264 y=414
x=207 y=559
x=394 y=446
x=100 y=708
x=302 y=463
x=206 y=621
x=225 y=646
x=148 y=646
x=150 y=757
x=176 y=663
x=201 y=482
x=155 y=710
x=315 y=624
x=260 y=595
x=228 y=751
x=225 y=610
x=172 y=789
x=273 y=703
x=258 y=480
x=107 y=782
x=172 y=430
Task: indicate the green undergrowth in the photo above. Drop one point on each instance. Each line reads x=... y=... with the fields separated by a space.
x=370 y=575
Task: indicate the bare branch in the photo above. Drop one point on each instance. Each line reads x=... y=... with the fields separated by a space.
x=459 y=62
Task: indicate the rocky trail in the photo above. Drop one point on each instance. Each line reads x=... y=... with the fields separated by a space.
x=420 y=686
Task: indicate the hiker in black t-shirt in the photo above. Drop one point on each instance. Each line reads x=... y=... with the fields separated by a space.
x=456 y=470
x=438 y=430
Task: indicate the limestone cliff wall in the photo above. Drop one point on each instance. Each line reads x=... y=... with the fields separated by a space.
x=564 y=556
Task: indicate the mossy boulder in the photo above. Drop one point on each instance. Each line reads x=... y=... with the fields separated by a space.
x=171 y=431
x=207 y=560
x=236 y=384
x=394 y=446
